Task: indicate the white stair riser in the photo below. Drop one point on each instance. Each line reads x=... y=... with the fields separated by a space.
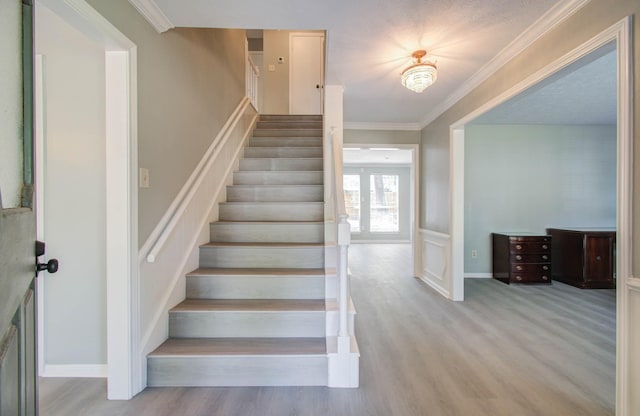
x=293 y=141
x=275 y=193
x=274 y=124
x=278 y=178
x=288 y=117
x=246 y=324
x=274 y=164
x=255 y=287
x=246 y=232
x=260 y=370
x=248 y=211
x=287 y=133
x=262 y=257
x=251 y=152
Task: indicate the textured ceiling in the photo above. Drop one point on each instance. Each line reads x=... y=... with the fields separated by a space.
x=582 y=93
x=369 y=42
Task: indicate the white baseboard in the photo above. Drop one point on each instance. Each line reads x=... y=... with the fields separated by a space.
x=478 y=275
x=75 y=370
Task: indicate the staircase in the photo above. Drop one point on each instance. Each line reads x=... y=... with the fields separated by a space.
x=254 y=313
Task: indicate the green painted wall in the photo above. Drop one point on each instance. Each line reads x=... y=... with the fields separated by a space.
x=526 y=178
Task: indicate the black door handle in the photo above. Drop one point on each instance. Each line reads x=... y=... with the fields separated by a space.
x=51 y=266
x=318 y=86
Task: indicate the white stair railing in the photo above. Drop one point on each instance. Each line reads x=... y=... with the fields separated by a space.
x=342 y=347
x=251 y=78
x=343 y=233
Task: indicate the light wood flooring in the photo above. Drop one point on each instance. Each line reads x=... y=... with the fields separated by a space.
x=506 y=350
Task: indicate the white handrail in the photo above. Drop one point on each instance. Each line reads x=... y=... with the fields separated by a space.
x=169 y=220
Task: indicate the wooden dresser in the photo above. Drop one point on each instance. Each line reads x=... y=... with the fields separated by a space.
x=584 y=257
x=521 y=258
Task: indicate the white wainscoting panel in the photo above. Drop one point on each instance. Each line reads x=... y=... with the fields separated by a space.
x=436 y=249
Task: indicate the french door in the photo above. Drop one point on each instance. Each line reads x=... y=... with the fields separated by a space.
x=378 y=202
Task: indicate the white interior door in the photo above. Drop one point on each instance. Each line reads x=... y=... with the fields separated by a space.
x=306 y=73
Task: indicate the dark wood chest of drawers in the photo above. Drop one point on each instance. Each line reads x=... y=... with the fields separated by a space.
x=584 y=257
x=521 y=258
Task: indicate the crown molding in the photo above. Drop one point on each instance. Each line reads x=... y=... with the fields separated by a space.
x=553 y=17
x=153 y=14
x=382 y=126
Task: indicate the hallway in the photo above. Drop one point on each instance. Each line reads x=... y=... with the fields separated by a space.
x=506 y=350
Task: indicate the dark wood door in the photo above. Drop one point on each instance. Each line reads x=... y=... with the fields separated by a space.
x=599 y=258
x=18 y=381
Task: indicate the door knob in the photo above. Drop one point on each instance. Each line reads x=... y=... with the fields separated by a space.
x=51 y=266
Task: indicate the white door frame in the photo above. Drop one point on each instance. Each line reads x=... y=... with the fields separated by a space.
x=414 y=225
x=123 y=358
x=621 y=34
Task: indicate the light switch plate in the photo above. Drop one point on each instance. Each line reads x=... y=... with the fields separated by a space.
x=144 y=178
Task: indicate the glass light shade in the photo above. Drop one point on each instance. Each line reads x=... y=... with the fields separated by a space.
x=419 y=76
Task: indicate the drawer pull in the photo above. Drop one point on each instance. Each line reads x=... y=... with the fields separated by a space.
x=598 y=258
x=544 y=246
x=545 y=267
x=518 y=247
x=518 y=277
x=545 y=257
x=518 y=257
x=518 y=267
x=545 y=278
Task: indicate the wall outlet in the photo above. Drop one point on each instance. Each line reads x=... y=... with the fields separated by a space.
x=144 y=178
x=474 y=254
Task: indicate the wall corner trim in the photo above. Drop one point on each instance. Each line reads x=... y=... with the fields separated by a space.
x=553 y=17
x=153 y=14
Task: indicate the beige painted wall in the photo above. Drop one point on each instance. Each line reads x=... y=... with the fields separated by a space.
x=74 y=189
x=189 y=83
x=276 y=83
x=381 y=137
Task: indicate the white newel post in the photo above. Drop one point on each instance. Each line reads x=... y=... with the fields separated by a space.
x=342 y=347
x=344 y=239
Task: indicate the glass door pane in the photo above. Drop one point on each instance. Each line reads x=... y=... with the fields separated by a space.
x=384 y=203
x=351 y=184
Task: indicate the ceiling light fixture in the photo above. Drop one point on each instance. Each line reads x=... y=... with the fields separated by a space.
x=420 y=75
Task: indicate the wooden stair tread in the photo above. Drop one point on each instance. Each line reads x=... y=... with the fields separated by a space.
x=240 y=346
x=250 y=305
x=256 y=272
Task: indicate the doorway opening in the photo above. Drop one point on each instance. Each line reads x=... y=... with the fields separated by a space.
x=618 y=34
x=380 y=184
